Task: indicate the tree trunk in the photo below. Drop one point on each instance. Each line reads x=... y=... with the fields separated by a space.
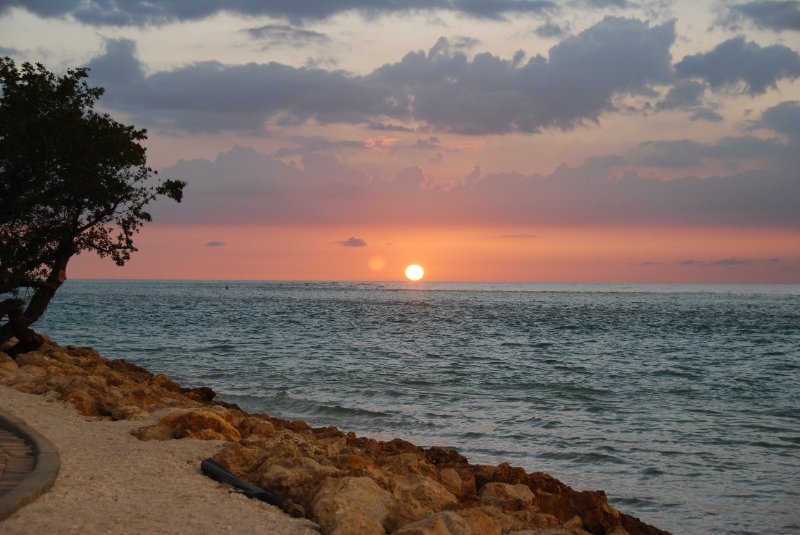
x=19 y=322
x=45 y=292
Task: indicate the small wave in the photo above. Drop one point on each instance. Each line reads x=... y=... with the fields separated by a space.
x=340 y=410
x=584 y=458
x=651 y=471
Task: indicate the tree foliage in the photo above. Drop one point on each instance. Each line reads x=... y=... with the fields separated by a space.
x=71 y=180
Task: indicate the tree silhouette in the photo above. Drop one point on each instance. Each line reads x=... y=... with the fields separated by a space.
x=71 y=180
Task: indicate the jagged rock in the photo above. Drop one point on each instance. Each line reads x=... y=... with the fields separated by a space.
x=254 y=426
x=418 y=495
x=203 y=424
x=443 y=523
x=8 y=367
x=483 y=520
x=242 y=457
x=505 y=496
x=591 y=506
x=296 y=478
x=30 y=379
x=451 y=480
x=351 y=505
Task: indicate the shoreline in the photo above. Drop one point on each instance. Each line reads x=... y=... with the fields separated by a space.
x=344 y=483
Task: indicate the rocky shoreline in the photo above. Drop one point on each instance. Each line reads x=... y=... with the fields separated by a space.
x=348 y=485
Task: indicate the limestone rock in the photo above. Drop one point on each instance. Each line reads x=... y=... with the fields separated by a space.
x=7 y=363
x=482 y=521
x=417 y=496
x=296 y=478
x=252 y=425
x=443 y=523
x=505 y=496
x=592 y=507
x=451 y=480
x=242 y=457
x=351 y=505
x=203 y=424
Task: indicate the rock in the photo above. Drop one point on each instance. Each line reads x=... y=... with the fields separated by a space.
x=417 y=496
x=131 y=371
x=296 y=478
x=634 y=526
x=82 y=391
x=7 y=363
x=505 y=496
x=351 y=505
x=592 y=507
x=241 y=458
x=202 y=424
x=252 y=425
x=451 y=480
x=30 y=379
x=33 y=358
x=443 y=523
x=481 y=521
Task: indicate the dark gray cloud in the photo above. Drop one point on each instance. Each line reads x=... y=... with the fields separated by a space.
x=215 y=244
x=463 y=42
x=783 y=118
x=550 y=29
x=352 y=241
x=575 y=85
x=738 y=62
x=210 y=96
x=147 y=12
x=769 y=14
x=705 y=114
x=685 y=94
x=388 y=127
x=285 y=35
x=441 y=89
x=688 y=153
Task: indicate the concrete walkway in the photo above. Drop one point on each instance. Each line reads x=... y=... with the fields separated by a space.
x=29 y=464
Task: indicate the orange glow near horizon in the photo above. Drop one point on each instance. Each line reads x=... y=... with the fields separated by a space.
x=468 y=254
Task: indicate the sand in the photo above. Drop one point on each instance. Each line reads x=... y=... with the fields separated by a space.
x=111 y=482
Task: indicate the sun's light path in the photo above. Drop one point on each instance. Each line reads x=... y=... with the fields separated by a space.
x=414 y=272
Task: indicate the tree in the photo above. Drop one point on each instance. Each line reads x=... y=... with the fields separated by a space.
x=71 y=180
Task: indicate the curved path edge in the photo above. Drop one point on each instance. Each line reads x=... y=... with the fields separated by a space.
x=47 y=464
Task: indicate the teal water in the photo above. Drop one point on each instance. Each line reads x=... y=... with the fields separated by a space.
x=681 y=402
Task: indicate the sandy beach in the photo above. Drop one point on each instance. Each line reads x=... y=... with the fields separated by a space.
x=112 y=482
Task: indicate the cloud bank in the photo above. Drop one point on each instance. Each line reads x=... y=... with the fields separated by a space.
x=608 y=190
x=441 y=89
x=145 y=12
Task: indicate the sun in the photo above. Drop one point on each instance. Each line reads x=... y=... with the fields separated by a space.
x=414 y=272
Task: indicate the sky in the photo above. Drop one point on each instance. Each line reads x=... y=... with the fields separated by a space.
x=486 y=140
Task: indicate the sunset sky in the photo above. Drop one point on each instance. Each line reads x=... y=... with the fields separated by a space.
x=487 y=140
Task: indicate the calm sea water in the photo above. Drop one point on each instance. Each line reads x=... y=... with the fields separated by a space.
x=682 y=402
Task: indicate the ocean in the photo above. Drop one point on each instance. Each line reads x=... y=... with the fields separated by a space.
x=680 y=401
